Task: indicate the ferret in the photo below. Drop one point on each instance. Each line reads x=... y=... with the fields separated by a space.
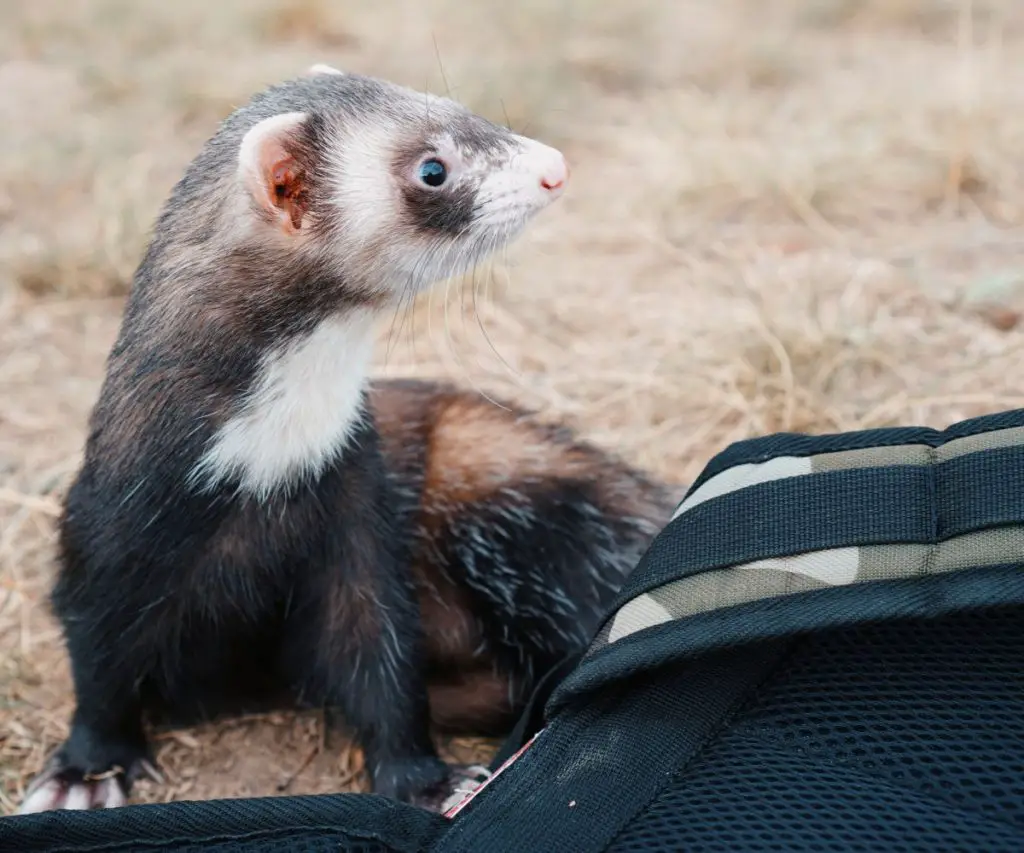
x=255 y=520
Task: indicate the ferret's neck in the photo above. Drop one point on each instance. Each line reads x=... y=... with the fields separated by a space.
x=299 y=412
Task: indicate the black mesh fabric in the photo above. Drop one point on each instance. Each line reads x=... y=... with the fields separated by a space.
x=341 y=823
x=898 y=737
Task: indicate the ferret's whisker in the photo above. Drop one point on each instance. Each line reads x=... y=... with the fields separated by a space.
x=440 y=65
x=452 y=350
x=392 y=328
x=483 y=328
x=403 y=313
x=431 y=254
x=473 y=286
x=458 y=360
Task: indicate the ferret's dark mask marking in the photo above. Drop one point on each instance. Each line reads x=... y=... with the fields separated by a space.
x=449 y=211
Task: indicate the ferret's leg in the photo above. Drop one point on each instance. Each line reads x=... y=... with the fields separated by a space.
x=482 y=700
x=358 y=626
x=106 y=749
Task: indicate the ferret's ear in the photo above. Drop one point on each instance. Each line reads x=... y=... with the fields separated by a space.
x=268 y=166
x=320 y=68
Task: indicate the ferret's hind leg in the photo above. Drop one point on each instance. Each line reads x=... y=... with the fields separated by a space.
x=538 y=527
x=544 y=560
x=483 y=700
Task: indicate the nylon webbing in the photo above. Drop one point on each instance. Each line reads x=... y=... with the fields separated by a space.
x=871 y=518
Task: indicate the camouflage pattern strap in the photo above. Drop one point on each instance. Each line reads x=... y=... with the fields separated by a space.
x=998 y=543
x=806 y=572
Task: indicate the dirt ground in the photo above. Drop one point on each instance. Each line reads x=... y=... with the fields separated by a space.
x=783 y=215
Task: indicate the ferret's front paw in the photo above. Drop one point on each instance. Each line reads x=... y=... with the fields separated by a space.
x=407 y=779
x=463 y=779
x=62 y=785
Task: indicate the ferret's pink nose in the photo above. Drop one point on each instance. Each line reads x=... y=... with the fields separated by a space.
x=555 y=175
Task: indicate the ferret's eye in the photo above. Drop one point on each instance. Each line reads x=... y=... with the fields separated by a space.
x=433 y=172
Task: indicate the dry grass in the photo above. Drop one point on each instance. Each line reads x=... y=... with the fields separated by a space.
x=784 y=215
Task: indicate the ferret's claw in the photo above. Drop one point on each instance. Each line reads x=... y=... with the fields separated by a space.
x=57 y=793
x=60 y=786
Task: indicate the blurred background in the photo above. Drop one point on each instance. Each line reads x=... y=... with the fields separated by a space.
x=783 y=215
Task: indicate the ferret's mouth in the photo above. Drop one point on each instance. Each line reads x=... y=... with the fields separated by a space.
x=505 y=226
x=511 y=219
x=493 y=235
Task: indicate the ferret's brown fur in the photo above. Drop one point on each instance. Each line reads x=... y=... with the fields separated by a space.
x=460 y=451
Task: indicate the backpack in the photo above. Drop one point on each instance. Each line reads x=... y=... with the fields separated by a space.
x=823 y=650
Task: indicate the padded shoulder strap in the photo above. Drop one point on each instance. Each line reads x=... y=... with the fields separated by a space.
x=792 y=533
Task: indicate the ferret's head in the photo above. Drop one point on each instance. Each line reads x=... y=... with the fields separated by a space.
x=392 y=188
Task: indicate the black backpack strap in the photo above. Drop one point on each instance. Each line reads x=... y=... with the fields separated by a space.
x=793 y=534
x=531 y=720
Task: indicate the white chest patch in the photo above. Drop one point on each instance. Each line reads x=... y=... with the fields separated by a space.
x=300 y=412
